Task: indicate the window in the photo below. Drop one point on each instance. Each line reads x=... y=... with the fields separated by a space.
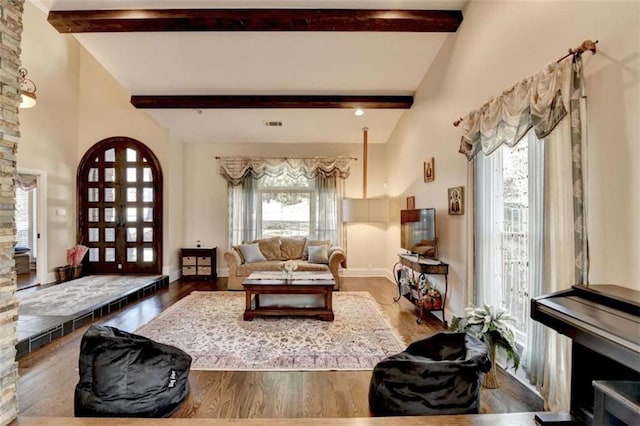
x=286 y=206
x=509 y=227
x=25 y=219
x=293 y=202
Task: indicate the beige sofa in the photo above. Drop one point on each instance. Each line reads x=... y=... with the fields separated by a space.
x=276 y=251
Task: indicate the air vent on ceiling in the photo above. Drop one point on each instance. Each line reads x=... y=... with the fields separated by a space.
x=273 y=123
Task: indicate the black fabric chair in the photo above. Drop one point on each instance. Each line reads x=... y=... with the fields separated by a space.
x=441 y=374
x=126 y=375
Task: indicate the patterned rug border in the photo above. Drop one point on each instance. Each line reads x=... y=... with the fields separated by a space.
x=364 y=294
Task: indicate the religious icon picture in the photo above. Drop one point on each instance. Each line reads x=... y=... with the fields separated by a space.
x=429 y=170
x=411 y=203
x=456 y=199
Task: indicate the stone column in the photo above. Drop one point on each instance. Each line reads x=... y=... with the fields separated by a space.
x=10 y=36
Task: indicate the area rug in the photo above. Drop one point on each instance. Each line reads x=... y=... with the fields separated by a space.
x=70 y=297
x=209 y=327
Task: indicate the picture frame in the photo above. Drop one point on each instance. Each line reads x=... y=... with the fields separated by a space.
x=456 y=200
x=411 y=203
x=429 y=171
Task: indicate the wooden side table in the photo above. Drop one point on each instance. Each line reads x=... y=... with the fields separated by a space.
x=198 y=263
x=417 y=269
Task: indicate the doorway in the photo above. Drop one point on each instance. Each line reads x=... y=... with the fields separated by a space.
x=30 y=253
x=119 y=185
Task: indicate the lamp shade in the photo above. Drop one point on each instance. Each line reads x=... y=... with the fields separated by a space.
x=27 y=100
x=365 y=210
x=27 y=89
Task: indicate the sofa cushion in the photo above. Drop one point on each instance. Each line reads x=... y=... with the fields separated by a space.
x=292 y=248
x=319 y=254
x=251 y=253
x=270 y=248
x=312 y=267
x=247 y=268
x=305 y=255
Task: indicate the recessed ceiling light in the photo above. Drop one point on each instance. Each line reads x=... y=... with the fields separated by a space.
x=359 y=112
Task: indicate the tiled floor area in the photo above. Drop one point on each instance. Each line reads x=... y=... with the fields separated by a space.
x=35 y=331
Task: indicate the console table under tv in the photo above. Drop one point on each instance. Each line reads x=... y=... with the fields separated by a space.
x=416 y=269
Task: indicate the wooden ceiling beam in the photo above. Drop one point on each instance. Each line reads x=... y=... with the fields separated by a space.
x=135 y=20
x=270 y=101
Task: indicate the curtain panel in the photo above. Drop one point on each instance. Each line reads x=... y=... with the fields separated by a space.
x=534 y=102
x=235 y=169
x=561 y=239
x=242 y=201
x=329 y=205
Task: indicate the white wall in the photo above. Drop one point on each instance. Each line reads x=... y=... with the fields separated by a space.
x=498 y=44
x=205 y=194
x=106 y=111
x=79 y=104
x=49 y=142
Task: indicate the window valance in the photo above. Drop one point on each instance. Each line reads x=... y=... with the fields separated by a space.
x=26 y=182
x=534 y=102
x=235 y=169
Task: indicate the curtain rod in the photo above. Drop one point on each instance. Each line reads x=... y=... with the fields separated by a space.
x=584 y=46
x=285 y=158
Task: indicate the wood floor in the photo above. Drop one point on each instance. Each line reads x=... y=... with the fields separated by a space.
x=48 y=375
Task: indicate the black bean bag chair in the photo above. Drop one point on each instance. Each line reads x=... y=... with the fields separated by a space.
x=126 y=375
x=441 y=374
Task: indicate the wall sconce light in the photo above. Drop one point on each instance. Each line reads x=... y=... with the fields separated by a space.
x=27 y=90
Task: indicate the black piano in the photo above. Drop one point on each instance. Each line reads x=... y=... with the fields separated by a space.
x=604 y=323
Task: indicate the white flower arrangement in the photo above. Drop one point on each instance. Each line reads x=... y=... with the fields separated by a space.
x=289 y=266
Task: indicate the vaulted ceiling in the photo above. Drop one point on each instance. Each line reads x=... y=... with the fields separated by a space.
x=218 y=71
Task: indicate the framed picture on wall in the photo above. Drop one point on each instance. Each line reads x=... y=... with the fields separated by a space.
x=429 y=169
x=411 y=203
x=456 y=200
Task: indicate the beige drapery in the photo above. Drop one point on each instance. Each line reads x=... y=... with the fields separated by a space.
x=552 y=103
x=533 y=102
x=235 y=169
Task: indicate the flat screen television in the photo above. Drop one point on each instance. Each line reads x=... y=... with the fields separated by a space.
x=418 y=232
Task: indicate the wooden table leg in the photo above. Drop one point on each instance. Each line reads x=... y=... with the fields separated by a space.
x=247 y=310
x=328 y=299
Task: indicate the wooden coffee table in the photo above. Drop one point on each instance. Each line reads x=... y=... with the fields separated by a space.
x=306 y=294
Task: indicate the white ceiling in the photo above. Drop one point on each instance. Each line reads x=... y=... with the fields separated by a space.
x=271 y=63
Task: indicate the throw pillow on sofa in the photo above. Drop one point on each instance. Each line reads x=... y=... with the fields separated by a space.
x=319 y=254
x=292 y=248
x=251 y=253
x=270 y=248
x=313 y=243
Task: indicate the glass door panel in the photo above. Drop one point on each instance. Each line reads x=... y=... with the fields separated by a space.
x=119 y=180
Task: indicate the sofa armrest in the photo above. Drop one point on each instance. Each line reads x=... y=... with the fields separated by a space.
x=233 y=259
x=337 y=257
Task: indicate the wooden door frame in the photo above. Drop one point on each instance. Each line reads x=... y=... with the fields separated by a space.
x=147 y=153
x=42 y=263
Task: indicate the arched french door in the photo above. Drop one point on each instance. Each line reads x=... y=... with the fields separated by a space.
x=119 y=185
